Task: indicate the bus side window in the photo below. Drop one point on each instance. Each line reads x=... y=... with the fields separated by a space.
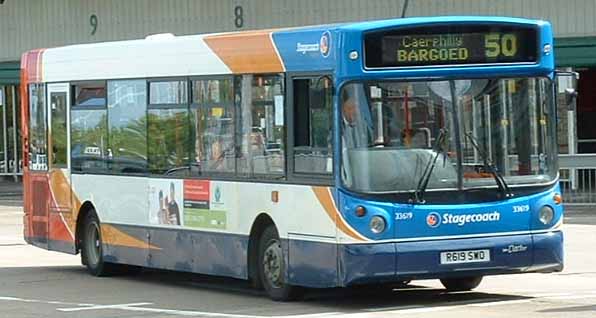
x=262 y=130
x=89 y=127
x=127 y=126
x=212 y=119
x=313 y=151
x=168 y=133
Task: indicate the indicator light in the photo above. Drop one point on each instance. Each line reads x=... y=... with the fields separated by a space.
x=360 y=211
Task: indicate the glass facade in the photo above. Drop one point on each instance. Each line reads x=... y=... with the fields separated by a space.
x=10 y=134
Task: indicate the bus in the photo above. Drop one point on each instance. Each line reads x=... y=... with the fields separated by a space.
x=368 y=153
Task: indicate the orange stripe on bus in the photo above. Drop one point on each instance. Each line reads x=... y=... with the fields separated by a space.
x=61 y=189
x=112 y=236
x=324 y=197
x=63 y=196
x=247 y=52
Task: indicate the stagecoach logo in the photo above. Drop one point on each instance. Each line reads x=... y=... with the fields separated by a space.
x=322 y=46
x=433 y=219
x=307 y=47
x=324 y=43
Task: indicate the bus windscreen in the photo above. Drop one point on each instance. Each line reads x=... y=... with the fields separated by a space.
x=449 y=45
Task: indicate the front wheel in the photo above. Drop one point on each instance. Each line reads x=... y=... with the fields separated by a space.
x=273 y=268
x=462 y=283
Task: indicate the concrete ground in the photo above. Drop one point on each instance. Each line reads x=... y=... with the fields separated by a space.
x=39 y=283
x=10 y=192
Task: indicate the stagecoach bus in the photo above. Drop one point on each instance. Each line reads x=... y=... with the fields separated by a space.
x=375 y=152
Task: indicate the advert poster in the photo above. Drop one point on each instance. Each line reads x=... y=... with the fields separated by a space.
x=165 y=198
x=203 y=205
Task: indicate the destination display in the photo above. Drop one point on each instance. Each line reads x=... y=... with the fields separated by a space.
x=462 y=45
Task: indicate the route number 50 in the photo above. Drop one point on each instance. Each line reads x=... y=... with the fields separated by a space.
x=497 y=44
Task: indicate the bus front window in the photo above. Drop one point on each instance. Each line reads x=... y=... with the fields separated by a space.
x=391 y=133
x=388 y=132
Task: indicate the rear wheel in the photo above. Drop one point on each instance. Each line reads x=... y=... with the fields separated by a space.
x=273 y=268
x=462 y=283
x=91 y=250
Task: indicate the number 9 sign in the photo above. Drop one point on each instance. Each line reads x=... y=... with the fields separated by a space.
x=93 y=21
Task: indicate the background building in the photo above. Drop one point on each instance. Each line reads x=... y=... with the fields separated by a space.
x=28 y=24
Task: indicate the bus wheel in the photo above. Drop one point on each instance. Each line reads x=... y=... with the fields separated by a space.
x=272 y=267
x=462 y=283
x=91 y=251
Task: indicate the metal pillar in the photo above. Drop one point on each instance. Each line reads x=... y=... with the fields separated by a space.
x=15 y=152
x=5 y=138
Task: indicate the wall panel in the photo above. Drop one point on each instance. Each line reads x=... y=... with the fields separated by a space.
x=32 y=24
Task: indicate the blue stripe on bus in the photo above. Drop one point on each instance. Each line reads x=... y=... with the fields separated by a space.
x=362 y=263
x=300 y=50
x=184 y=250
x=318 y=264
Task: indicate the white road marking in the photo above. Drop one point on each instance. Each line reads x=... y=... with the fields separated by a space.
x=367 y=313
x=188 y=312
x=53 y=302
x=97 y=307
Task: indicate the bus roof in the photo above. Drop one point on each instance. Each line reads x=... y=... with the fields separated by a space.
x=309 y=48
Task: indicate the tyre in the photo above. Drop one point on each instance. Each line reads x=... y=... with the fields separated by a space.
x=273 y=268
x=462 y=283
x=91 y=250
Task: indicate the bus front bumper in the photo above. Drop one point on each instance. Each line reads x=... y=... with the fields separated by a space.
x=401 y=261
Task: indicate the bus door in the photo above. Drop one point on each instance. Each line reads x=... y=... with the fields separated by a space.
x=60 y=215
x=35 y=176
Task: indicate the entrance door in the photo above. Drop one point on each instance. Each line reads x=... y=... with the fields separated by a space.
x=586 y=112
x=35 y=179
x=60 y=216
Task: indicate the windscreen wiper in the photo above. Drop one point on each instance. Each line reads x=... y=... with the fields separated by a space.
x=503 y=187
x=430 y=165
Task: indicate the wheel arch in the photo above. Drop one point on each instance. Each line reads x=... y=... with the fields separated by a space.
x=86 y=208
x=261 y=222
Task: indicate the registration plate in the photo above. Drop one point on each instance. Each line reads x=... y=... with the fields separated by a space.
x=458 y=257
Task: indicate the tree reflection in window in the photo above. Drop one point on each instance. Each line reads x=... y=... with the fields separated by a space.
x=127 y=125
x=213 y=126
x=168 y=140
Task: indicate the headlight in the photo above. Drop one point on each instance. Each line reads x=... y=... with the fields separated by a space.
x=377 y=224
x=546 y=214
